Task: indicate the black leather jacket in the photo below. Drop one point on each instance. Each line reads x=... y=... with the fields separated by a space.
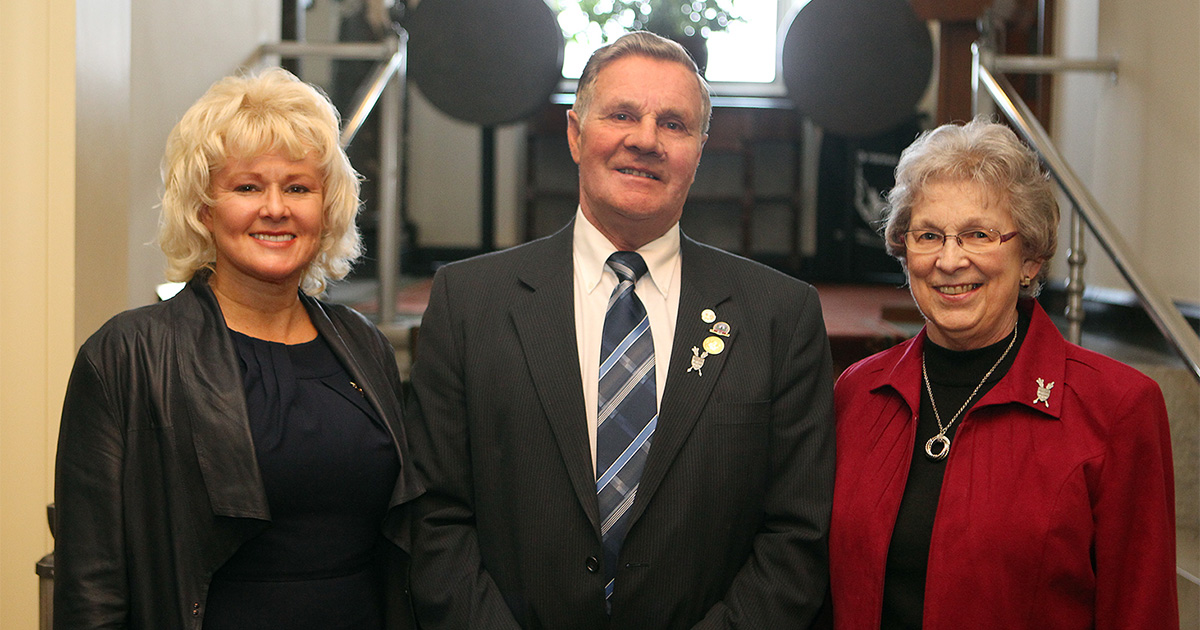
x=157 y=483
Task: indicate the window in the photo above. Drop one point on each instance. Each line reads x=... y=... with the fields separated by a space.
x=741 y=59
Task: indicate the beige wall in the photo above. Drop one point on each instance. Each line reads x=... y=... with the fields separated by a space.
x=444 y=178
x=37 y=156
x=1135 y=141
x=178 y=48
x=65 y=267
x=140 y=65
x=102 y=139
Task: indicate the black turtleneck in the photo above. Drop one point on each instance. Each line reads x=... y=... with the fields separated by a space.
x=952 y=375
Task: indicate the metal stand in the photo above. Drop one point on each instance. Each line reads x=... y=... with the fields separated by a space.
x=487 y=189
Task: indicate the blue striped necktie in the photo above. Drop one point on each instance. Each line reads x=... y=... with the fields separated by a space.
x=627 y=408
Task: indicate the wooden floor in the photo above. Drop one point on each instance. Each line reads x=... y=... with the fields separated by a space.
x=864 y=319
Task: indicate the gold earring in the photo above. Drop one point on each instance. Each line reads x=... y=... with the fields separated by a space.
x=1025 y=282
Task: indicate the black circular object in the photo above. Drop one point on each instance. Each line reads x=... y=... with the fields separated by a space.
x=857 y=68
x=485 y=61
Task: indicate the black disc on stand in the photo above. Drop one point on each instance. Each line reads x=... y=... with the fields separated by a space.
x=487 y=62
x=857 y=68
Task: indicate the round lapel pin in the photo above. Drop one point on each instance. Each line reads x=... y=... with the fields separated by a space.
x=714 y=345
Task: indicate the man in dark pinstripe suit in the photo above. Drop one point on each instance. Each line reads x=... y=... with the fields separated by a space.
x=727 y=522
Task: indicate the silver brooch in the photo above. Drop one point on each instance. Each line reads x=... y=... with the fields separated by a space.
x=698 y=360
x=1043 y=393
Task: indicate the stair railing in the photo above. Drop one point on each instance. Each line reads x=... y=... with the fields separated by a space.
x=991 y=92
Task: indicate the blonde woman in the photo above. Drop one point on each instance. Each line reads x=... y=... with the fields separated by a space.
x=234 y=457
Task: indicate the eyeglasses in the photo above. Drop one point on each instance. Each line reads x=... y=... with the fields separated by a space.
x=974 y=240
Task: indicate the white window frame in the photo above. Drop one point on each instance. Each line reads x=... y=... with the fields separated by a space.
x=785 y=10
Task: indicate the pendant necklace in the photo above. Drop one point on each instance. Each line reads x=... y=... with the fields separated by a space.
x=940 y=440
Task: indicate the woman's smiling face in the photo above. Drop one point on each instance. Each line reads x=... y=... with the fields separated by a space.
x=968 y=299
x=267 y=219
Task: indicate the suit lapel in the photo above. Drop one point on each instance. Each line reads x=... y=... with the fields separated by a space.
x=702 y=286
x=544 y=317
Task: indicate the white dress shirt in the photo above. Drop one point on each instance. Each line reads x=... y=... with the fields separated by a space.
x=658 y=291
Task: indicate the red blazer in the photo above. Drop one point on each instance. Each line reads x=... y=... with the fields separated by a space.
x=1052 y=515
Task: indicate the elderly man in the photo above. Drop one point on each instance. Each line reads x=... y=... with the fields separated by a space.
x=617 y=426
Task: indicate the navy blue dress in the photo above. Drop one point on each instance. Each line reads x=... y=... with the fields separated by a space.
x=328 y=466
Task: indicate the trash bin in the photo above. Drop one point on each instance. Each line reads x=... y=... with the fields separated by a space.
x=45 y=573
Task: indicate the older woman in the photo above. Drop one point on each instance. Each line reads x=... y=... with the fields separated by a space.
x=234 y=457
x=990 y=474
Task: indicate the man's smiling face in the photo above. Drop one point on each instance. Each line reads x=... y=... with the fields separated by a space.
x=638 y=148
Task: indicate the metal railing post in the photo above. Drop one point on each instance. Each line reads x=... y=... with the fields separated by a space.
x=1076 y=260
x=982 y=56
x=390 y=192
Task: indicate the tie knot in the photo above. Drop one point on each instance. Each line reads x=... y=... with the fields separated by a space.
x=628 y=266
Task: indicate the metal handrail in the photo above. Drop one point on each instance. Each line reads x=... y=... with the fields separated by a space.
x=1037 y=64
x=389 y=54
x=370 y=91
x=1162 y=311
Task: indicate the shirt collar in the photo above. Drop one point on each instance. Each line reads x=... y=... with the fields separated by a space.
x=592 y=249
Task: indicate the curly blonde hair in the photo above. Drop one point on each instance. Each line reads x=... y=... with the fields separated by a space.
x=246 y=116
